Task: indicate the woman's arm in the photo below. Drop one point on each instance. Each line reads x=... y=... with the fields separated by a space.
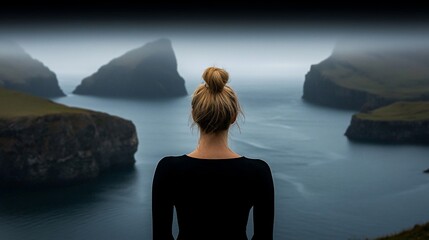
x=162 y=203
x=263 y=209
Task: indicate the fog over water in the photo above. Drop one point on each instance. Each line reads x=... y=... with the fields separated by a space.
x=278 y=51
x=243 y=56
x=262 y=51
x=259 y=51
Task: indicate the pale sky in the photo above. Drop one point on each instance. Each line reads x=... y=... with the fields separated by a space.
x=259 y=53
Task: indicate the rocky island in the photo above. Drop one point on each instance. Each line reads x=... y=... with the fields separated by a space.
x=45 y=143
x=146 y=72
x=20 y=72
x=400 y=122
x=368 y=78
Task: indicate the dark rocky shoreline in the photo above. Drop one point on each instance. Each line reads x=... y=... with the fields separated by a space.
x=43 y=143
x=365 y=130
x=400 y=122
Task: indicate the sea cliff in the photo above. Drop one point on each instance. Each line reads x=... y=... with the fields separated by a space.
x=368 y=78
x=45 y=143
x=320 y=89
x=400 y=122
x=146 y=72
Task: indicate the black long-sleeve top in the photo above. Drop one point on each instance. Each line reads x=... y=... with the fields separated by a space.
x=212 y=198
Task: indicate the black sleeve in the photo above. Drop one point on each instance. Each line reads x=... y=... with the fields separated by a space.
x=263 y=209
x=162 y=202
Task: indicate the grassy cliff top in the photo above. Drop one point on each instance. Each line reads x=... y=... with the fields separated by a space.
x=399 y=111
x=418 y=232
x=16 y=104
x=393 y=73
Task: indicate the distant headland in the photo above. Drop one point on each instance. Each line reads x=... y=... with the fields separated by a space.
x=369 y=78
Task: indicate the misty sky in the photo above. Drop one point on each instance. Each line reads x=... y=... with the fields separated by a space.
x=251 y=53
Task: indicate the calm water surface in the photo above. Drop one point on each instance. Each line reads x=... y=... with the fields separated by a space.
x=326 y=186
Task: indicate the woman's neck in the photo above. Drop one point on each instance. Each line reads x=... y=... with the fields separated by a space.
x=213 y=146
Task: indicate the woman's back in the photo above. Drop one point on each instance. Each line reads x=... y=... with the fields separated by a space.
x=213 y=188
x=212 y=197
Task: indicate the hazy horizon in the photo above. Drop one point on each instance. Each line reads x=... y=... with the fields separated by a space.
x=247 y=53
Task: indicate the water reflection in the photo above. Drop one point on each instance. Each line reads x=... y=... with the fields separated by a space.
x=35 y=201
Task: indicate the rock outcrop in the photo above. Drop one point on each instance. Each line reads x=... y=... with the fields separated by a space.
x=20 y=72
x=366 y=79
x=146 y=72
x=43 y=143
x=319 y=89
x=400 y=122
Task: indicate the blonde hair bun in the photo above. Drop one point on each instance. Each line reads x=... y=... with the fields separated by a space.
x=214 y=104
x=215 y=78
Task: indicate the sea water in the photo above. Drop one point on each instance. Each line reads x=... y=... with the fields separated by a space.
x=326 y=187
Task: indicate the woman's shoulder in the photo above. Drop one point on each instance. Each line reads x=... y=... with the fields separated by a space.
x=167 y=164
x=167 y=160
x=258 y=163
x=260 y=169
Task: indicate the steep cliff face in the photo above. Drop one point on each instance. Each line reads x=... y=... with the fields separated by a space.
x=401 y=122
x=44 y=143
x=19 y=71
x=366 y=79
x=388 y=131
x=146 y=72
x=319 y=89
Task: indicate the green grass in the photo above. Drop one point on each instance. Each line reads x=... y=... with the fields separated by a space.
x=395 y=74
x=399 y=111
x=16 y=104
x=418 y=232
